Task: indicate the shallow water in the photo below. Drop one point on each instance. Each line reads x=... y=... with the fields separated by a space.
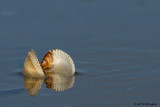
x=114 y=44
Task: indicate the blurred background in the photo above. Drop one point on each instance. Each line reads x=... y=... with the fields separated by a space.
x=114 y=44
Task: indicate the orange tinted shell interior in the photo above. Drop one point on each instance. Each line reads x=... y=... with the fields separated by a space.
x=47 y=60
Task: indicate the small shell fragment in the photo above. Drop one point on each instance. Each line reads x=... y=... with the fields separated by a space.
x=32 y=67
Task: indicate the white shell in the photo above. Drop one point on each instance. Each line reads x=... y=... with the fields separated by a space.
x=62 y=64
x=31 y=66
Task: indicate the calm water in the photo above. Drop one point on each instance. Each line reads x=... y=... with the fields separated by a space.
x=114 y=44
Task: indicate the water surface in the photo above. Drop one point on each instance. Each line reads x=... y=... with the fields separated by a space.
x=114 y=44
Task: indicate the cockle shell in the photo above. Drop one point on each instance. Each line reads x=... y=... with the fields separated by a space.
x=32 y=67
x=32 y=84
x=58 y=61
x=59 y=82
x=55 y=61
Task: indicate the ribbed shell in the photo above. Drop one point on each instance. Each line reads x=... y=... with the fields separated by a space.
x=32 y=67
x=58 y=61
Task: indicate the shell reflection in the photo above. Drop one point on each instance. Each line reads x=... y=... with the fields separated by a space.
x=59 y=82
x=32 y=85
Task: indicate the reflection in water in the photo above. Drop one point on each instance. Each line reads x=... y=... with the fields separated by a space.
x=32 y=85
x=57 y=82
